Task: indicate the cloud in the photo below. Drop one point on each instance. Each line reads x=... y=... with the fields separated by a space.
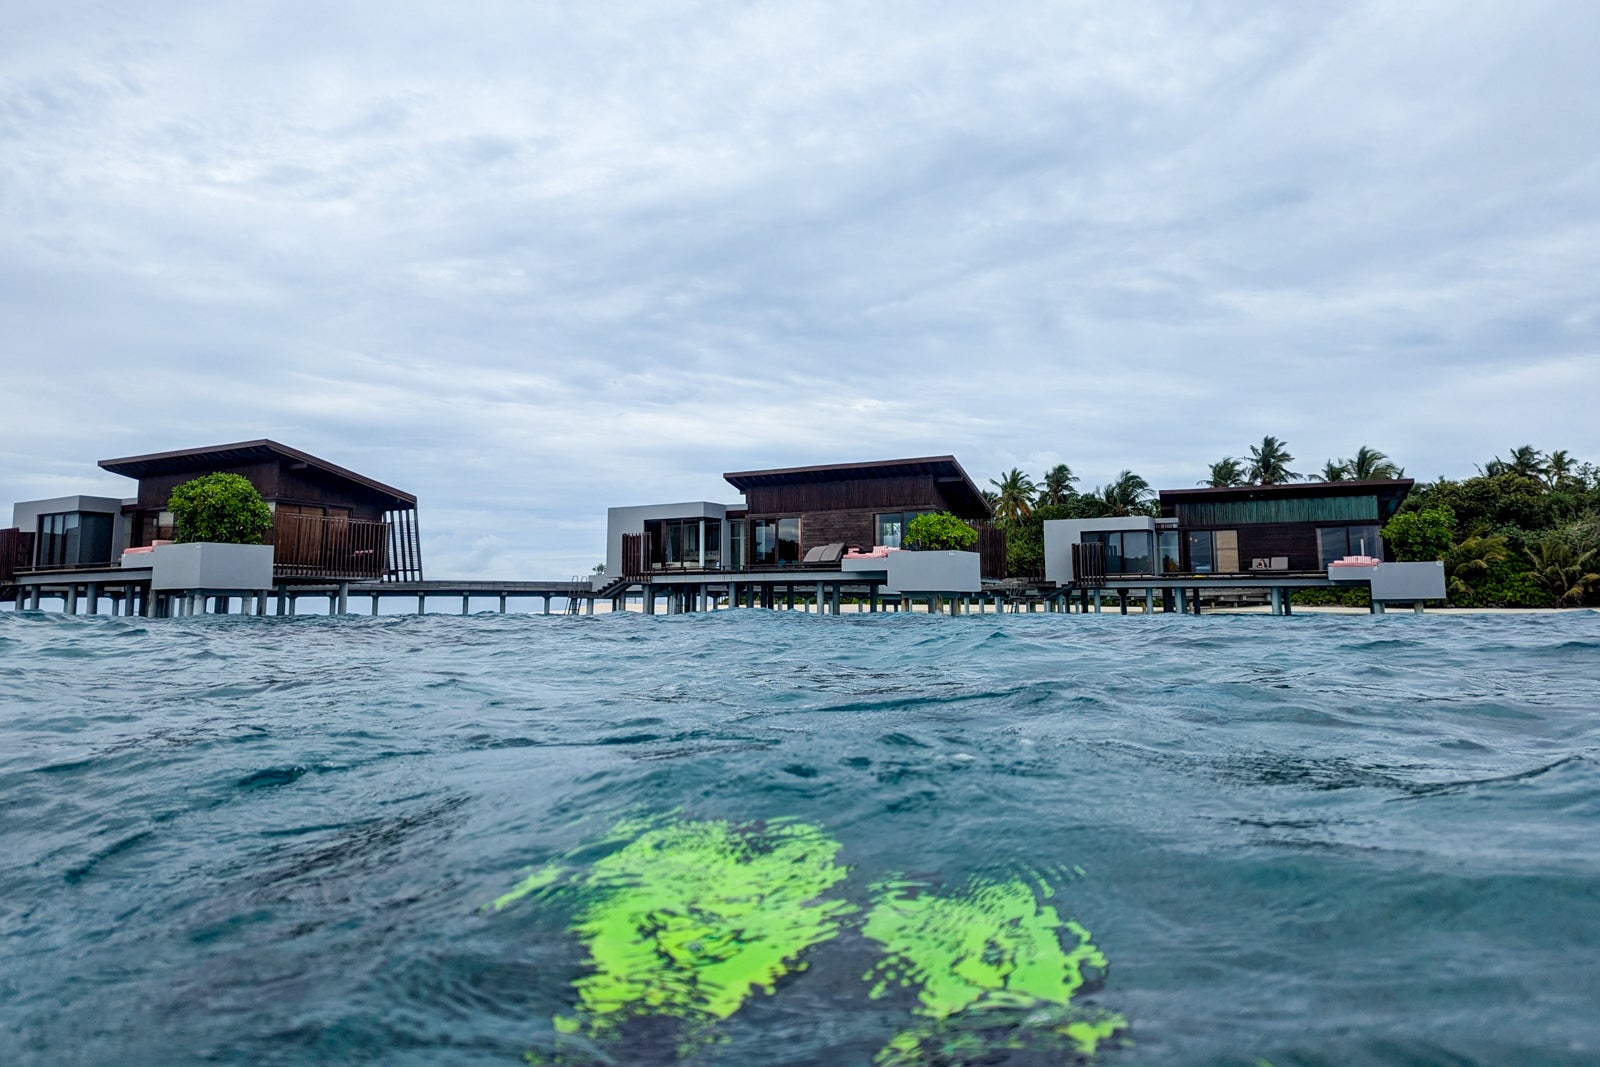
x=528 y=263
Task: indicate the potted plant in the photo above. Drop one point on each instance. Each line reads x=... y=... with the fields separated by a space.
x=219 y=521
x=939 y=557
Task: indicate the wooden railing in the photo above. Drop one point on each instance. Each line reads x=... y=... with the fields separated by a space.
x=635 y=554
x=1089 y=563
x=320 y=546
x=992 y=552
x=16 y=553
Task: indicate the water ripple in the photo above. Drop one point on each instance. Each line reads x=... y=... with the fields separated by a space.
x=1302 y=840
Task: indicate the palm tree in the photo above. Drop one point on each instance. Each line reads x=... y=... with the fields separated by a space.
x=1563 y=570
x=1469 y=562
x=1559 y=469
x=1057 y=485
x=1269 y=462
x=1129 y=494
x=991 y=498
x=1524 y=461
x=1334 y=471
x=1368 y=464
x=1015 y=495
x=1225 y=472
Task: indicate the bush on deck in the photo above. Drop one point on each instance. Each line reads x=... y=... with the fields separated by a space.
x=940 y=532
x=221 y=508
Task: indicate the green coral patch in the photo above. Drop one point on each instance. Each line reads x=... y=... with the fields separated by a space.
x=686 y=920
x=993 y=969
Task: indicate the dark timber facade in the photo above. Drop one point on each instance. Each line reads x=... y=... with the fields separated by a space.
x=1299 y=527
x=790 y=511
x=328 y=522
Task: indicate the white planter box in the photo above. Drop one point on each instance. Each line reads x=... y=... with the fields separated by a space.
x=933 y=572
x=1397 y=581
x=207 y=565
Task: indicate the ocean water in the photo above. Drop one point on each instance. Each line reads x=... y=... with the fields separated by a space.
x=770 y=838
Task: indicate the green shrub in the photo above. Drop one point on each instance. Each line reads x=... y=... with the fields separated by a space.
x=1420 y=535
x=1507 y=584
x=219 y=507
x=940 y=532
x=1348 y=598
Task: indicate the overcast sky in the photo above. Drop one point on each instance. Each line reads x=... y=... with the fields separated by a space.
x=528 y=261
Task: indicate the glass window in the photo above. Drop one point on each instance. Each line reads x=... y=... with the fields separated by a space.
x=1333 y=543
x=1199 y=543
x=671 y=544
x=1364 y=541
x=736 y=544
x=94 y=545
x=765 y=533
x=1113 y=543
x=713 y=543
x=59 y=540
x=1167 y=549
x=788 y=540
x=891 y=530
x=1135 y=552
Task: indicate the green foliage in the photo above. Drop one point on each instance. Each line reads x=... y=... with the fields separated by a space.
x=940 y=532
x=1346 y=598
x=1468 y=564
x=1225 y=473
x=1025 y=539
x=1014 y=497
x=1129 y=494
x=1269 y=462
x=1420 y=535
x=221 y=508
x=1506 y=584
x=1368 y=464
x=1490 y=502
x=1057 y=486
x=1564 y=572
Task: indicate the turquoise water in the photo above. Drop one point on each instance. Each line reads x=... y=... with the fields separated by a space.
x=1313 y=840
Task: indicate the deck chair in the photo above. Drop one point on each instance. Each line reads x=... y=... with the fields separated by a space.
x=815 y=554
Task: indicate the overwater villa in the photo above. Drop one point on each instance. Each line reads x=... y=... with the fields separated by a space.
x=1282 y=537
x=813 y=536
x=328 y=524
x=826 y=532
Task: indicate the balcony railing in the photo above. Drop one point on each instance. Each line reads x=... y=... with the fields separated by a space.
x=320 y=546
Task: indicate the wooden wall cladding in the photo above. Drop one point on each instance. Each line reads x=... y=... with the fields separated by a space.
x=917 y=492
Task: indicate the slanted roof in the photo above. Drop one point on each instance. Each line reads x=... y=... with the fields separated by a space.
x=1389 y=491
x=944 y=469
x=212 y=457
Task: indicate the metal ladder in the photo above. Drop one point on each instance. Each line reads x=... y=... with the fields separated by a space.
x=572 y=601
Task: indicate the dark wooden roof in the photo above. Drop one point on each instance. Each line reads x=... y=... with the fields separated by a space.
x=203 y=460
x=1386 y=487
x=945 y=469
x=1389 y=491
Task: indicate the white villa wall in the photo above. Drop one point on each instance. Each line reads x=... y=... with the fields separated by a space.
x=628 y=520
x=1061 y=534
x=25 y=515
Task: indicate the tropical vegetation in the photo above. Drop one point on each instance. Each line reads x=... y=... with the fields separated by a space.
x=1524 y=531
x=940 y=532
x=221 y=508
